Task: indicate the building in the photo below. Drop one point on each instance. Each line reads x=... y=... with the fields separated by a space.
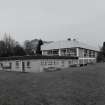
x=55 y=56
x=36 y=63
x=85 y=53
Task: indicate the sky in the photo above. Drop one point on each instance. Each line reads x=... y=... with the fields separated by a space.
x=54 y=20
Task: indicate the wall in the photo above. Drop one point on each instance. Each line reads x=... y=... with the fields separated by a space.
x=34 y=66
x=15 y=67
x=86 y=59
x=37 y=65
x=56 y=63
x=10 y=65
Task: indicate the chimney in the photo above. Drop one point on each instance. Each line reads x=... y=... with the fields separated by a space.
x=69 y=39
x=74 y=39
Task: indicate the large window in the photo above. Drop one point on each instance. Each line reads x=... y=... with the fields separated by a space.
x=53 y=52
x=49 y=52
x=17 y=64
x=91 y=53
x=71 y=52
x=48 y=62
x=10 y=64
x=28 y=64
x=85 y=53
x=62 y=62
x=63 y=52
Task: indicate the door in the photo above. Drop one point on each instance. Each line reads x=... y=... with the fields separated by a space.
x=23 y=66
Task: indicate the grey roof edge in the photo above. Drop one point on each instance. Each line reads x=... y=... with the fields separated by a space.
x=36 y=57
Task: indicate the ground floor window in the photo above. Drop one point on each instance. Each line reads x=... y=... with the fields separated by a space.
x=28 y=64
x=62 y=62
x=10 y=64
x=17 y=64
x=49 y=62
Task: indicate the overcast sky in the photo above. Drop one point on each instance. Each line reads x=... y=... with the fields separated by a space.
x=54 y=19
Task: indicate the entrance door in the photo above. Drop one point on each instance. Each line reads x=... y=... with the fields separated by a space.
x=23 y=66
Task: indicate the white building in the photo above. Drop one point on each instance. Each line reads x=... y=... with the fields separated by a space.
x=85 y=53
x=36 y=63
x=56 y=55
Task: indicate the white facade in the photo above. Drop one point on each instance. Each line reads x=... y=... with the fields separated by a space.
x=85 y=53
x=36 y=65
x=58 y=55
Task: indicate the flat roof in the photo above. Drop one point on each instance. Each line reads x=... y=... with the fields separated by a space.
x=36 y=57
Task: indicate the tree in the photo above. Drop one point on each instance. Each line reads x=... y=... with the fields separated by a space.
x=28 y=47
x=101 y=54
x=100 y=57
x=103 y=49
x=27 y=44
x=38 y=50
x=10 y=47
x=9 y=44
x=19 y=51
x=2 y=48
x=9 y=41
x=33 y=47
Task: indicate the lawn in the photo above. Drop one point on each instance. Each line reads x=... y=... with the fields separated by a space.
x=73 y=86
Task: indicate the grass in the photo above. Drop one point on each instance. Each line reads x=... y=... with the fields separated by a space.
x=73 y=86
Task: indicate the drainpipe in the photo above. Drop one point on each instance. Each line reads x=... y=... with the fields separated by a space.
x=83 y=58
x=77 y=50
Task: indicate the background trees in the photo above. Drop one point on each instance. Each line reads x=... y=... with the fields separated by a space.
x=38 y=49
x=2 y=49
x=33 y=47
x=103 y=50
x=28 y=48
x=19 y=51
x=101 y=54
x=10 y=47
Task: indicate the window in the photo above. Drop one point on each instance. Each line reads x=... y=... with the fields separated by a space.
x=91 y=53
x=71 y=52
x=10 y=64
x=43 y=62
x=28 y=64
x=1 y=64
x=49 y=52
x=63 y=52
x=55 y=52
x=85 y=52
x=54 y=62
x=62 y=62
x=70 y=62
x=17 y=64
x=50 y=62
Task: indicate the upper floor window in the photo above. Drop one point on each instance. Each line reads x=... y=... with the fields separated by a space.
x=49 y=52
x=85 y=53
x=71 y=52
x=55 y=52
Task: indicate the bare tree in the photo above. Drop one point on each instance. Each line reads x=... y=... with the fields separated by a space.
x=9 y=41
